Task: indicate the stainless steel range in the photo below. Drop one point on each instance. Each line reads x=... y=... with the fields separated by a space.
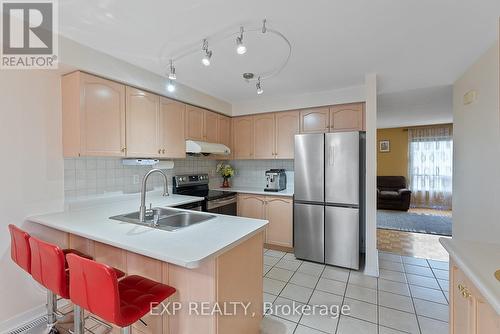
x=223 y=202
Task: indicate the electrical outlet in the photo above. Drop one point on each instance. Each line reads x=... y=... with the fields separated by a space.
x=135 y=179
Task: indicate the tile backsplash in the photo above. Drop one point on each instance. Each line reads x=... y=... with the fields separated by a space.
x=251 y=173
x=85 y=177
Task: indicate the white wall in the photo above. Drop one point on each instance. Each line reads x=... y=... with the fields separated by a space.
x=31 y=166
x=432 y=105
x=476 y=135
x=306 y=100
x=371 y=260
x=76 y=56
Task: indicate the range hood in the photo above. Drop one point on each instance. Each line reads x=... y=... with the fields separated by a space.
x=202 y=147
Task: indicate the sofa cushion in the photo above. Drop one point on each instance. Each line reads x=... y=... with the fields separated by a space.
x=391 y=182
x=388 y=194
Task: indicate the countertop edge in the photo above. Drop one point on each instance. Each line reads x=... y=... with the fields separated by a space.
x=452 y=250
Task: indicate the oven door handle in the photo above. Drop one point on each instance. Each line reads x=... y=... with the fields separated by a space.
x=220 y=202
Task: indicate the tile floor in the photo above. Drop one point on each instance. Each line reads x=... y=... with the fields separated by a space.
x=410 y=296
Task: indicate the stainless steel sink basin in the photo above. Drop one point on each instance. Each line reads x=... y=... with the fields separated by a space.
x=165 y=219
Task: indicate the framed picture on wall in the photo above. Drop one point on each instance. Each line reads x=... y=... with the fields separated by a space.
x=384 y=146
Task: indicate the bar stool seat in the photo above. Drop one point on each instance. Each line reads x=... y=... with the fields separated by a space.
x=95 y=288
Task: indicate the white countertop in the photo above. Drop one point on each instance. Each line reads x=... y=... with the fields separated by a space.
x=186 y=247
x=479 y=261
x=288 y=192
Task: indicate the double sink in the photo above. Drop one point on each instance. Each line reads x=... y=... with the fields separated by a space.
x=165 y=219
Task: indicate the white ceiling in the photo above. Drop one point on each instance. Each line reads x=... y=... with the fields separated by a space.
x=410 y=44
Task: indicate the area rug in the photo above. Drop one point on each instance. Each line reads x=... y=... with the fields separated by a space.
x=414 y=222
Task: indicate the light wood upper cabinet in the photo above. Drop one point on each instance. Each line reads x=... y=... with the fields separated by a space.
x=287 y=126
x=243 y=137
x=210 y=127
x=224 y=130
x=251 y=206
x=194 y=123
x=314 y=120
x=93 y=116
x=264 y=136
x=142 y=120
x=347 y=117
x=172 y=136
x=279 y=212
x=470 y=313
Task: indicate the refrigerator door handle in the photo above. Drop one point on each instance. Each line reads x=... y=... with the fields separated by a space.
x=331 y=155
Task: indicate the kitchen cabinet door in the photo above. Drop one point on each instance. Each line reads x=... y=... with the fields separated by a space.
x=194 y=123
x=279 y=212
x=314 y=120
x=347 y=117
x=251 y=206
x=142 y=111
x=461 y=308
x=264 y=136
x=93 y=116
x=224 y=136
x=172 y=135
x=210 y=127
x=243 y=137
x=287 y=126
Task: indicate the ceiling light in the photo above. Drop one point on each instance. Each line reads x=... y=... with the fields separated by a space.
x=259 y=87
x=208 y=54
x=172 y=75
x=240 y=47
x=171 y=87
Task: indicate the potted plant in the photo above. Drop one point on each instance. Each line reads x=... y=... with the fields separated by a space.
x=226 y=171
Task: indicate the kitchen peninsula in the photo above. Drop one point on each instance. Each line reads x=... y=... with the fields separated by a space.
x=216 y=261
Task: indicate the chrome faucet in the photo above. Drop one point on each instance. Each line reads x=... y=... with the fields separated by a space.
x=142 y=209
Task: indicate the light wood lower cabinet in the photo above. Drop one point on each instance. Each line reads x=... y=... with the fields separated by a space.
x=470 y=313
x=279 y=212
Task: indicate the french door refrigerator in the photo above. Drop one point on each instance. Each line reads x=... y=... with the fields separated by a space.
x=328 y=200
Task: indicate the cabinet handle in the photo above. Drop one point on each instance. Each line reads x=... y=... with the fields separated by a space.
x=159 y=151
x=123 y=149
x=464 y=291
x=163 y=151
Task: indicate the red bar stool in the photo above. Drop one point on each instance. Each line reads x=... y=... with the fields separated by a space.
x=94 y=287
x=20 y=248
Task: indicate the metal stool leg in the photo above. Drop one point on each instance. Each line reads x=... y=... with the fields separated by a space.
x=51 y=309
x=127 y=330
x=79 y=320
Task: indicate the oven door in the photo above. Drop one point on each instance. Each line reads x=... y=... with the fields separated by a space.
x=223 y=206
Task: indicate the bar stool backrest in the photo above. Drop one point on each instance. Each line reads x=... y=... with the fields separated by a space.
x=20 y=248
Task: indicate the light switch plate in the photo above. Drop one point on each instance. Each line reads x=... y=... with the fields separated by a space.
x=470 y=97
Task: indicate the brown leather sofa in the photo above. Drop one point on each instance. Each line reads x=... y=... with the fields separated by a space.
x=392 y=193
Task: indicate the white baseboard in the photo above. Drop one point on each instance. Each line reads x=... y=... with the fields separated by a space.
x=22 y=319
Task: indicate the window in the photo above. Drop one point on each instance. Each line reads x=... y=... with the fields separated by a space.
x=431 y=166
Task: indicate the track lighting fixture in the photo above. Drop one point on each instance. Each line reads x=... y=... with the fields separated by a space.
x=240 y=47
x=171 y=86
x=172 y=75
x=259 y=87
x=207 y=54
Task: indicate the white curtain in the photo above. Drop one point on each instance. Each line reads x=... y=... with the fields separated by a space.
x=430 y=166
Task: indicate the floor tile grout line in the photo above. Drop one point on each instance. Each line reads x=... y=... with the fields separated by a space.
x=413 y=303
x=343 y=300
x=440 y=287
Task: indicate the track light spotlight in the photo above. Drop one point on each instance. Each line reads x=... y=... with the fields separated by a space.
x=172 y=75
x=171 y=86
x=240 y=47
x=207 y=54
x=259 y=87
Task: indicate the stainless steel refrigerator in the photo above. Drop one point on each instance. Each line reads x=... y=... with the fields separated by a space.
x=329 y=197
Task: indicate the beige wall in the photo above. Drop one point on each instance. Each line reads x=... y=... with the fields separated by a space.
x=32 y=170
x=394 y=162
x=476 y=135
